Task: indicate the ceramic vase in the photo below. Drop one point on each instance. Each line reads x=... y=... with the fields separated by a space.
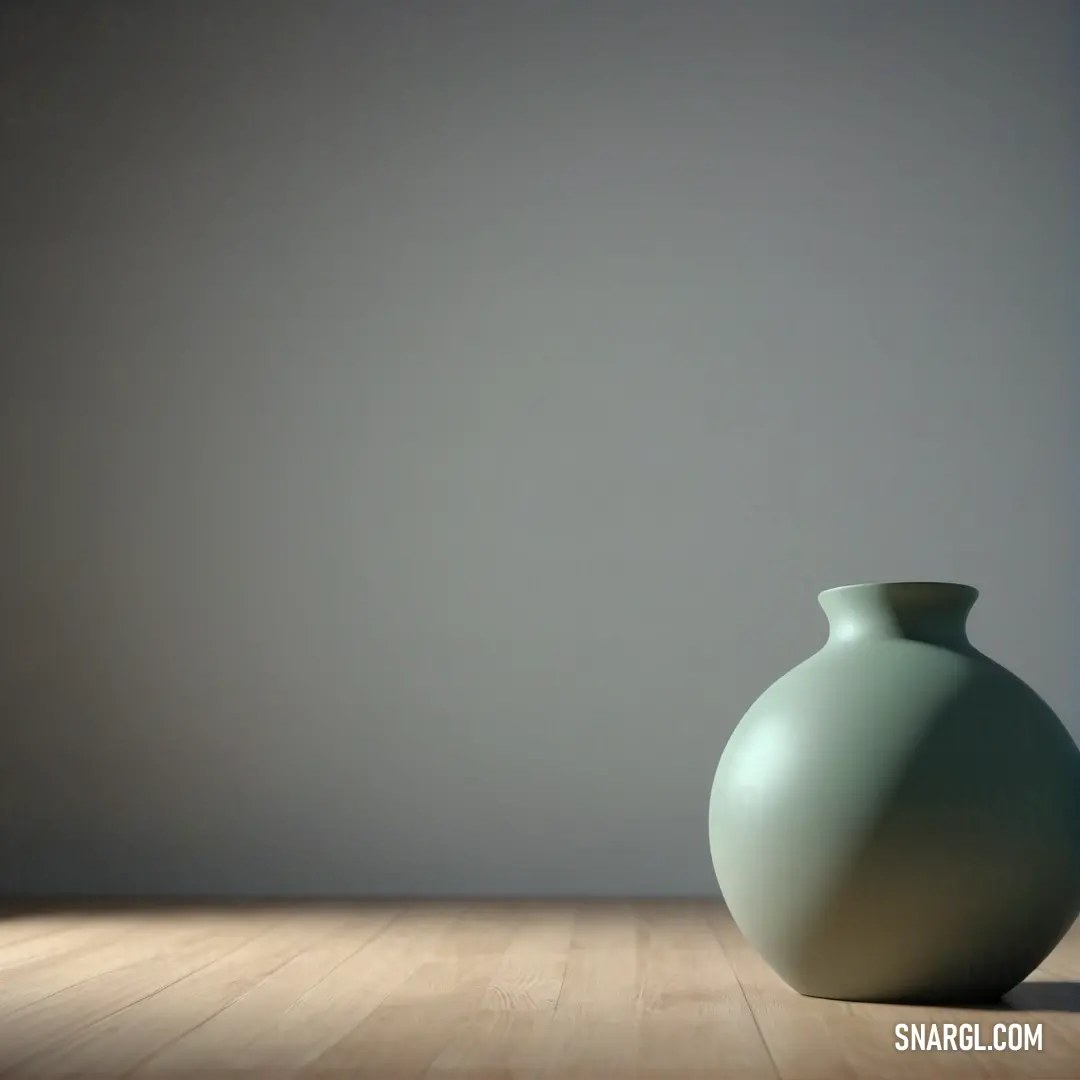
x=898 y=817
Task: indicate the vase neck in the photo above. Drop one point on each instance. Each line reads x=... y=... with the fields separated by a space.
x=935 y=612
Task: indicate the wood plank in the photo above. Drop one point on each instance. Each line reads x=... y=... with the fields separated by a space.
x=529 y=977
x=594 y=1029
x=498 y=1043
x=69 y=940
x=604 y=968
x=695 y=1018
x=813 y=1039
x=18 y=928
x=509 y=1035
x=31 y=1031
x=331 y=1009
x=116 y=948
x=222 y=1040
x=415 y=1022
x=122 y=1038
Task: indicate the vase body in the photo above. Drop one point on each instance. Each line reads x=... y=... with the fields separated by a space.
x=898 y=817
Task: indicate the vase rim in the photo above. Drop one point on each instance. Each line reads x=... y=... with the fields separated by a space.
x=952 y=586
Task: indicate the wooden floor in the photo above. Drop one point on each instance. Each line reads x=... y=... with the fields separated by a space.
x=477 y=990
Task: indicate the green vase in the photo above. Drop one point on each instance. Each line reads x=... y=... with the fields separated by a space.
x=898 y=817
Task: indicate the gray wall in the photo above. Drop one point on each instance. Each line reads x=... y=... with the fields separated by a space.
x=426 y=427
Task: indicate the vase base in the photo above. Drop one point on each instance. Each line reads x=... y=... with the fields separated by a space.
x=928 y=999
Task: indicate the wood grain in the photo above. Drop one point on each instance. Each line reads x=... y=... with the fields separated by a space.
x=814 y=1039
x=483 y=991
